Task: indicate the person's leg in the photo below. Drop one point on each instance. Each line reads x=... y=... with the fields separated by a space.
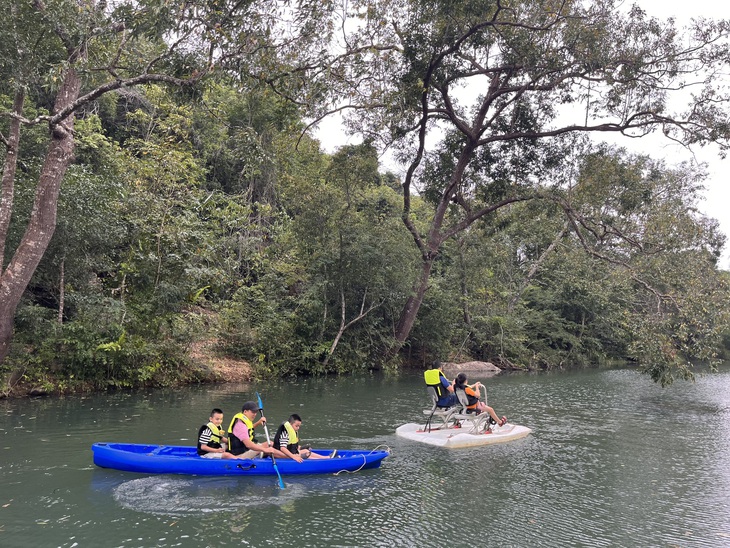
x=313 y=455
x=250 y=454
x=500 y=421
x=493 y=414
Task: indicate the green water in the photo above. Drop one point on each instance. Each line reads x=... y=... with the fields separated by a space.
x=613 y=461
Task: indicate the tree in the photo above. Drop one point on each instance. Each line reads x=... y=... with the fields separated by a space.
x=331 y=274
x=353 y=255
x=663 y=253
x=480 y=99
x=634 y=279
x=92 y=49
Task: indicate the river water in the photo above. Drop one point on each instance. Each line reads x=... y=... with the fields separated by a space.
x=613 y=460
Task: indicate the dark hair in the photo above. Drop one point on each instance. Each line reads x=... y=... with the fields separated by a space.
x=294 y=417
x=216 y=411
x=250 y=406
x=461 y=378
x=436 y=364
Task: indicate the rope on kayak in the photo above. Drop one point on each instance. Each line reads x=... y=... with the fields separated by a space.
x=364 y=461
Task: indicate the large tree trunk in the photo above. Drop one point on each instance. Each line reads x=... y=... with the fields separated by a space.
x=413 y=304
x=15 y=279
x=61 y=290
x=429 y=246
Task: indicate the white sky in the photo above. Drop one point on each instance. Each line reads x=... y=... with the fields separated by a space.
x=717 y=194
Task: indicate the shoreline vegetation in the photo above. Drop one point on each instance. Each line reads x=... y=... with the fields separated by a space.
x=203 y=367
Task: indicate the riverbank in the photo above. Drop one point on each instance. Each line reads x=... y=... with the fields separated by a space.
x=202 y=366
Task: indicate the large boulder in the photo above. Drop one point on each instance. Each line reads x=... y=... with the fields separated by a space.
x=472 y=369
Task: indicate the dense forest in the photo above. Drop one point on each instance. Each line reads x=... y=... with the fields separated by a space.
x=162 y=190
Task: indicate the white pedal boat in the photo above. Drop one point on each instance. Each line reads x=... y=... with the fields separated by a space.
x=452 y=437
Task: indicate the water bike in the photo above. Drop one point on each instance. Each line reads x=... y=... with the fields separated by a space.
x=455 y=427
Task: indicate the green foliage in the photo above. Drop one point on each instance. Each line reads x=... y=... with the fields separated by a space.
x=338 y=251
x=144 y=241
x=207 y=215
x=88 y=352
x=634 y=280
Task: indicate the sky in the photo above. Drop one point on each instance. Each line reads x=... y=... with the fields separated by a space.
x=717 y=194
x=716 y=203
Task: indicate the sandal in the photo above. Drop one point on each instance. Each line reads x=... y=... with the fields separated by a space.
x=503 y=421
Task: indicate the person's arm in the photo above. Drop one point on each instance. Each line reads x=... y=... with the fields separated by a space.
x=204 y=439
x=241 y=432
x=253 y=446
x=259 y=422
x=284 y=448
x=263 y=448
x=289 y=455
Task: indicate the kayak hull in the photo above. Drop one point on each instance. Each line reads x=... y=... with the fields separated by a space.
x=456 y=438
x=173 y=459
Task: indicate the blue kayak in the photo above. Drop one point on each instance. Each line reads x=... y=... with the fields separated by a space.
x=173 y=459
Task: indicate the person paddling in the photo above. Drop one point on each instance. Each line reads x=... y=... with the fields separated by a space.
x=242 y=437
x=287 y=441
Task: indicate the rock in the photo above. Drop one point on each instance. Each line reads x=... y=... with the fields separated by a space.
x=472 y=369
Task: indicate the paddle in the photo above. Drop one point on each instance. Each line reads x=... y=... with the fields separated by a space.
x=268 y=440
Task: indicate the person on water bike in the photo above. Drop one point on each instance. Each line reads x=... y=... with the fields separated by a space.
x=435 y=377
x=287 y=440
x=242 y=437
x=475 y=405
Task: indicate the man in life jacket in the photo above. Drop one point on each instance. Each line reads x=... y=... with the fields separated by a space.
x=242 y=437
x=435 y=377
x=287 y=440
x=212 y=438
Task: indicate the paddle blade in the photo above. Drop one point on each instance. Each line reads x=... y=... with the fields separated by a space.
x=281 y=481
